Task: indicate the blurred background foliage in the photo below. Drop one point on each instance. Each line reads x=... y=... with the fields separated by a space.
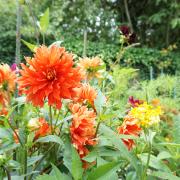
x=156 y=24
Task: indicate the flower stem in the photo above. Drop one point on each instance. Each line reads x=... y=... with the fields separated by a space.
x=50 y=118
x=97 y=129
x=148 y=159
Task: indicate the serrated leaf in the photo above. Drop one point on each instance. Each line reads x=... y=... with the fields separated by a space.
x=72 y=160
x=117 y=142
x=50 y=138
x=99 y=102
x=164 y=175
x=58 y=175
x=32 y=47
x=44 y=21
x=77 y=170
x=164 y=155
x=32 y=160
x=4 y=133
x=154 y=162
x=103 y=171
x=45 y=177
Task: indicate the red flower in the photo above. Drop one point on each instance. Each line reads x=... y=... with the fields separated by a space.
x=129 y=127
x=49 y=75
x=43 y=130
x=82 y=129
x=134 y=102
x=125 y=30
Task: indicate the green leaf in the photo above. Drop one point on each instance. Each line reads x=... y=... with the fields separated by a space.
x=72 y=160
x=176 y=129
x=57 y=43
x=164 y=155
x=44 y=21
x=154 y=162
x=45 y=177
x=4 y=133
x=117 y=142
x=164 y=175
x=77 y=170
x=104 y=171
x=32 y=47
x=99 y=152
x=170 y=144
x=99 y=102
x=32 y=160
x=58 y=175
x=50 y=138
x=101 y=161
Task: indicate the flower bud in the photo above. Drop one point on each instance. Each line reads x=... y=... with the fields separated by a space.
x=33 y=124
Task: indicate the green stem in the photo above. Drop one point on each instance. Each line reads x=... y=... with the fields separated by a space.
x=97 y=129
x=25 y=162
x=7 y=172
x=15 y=133
x=148 y=159
x=50 y=118
x=43 y=35
x=39 y=162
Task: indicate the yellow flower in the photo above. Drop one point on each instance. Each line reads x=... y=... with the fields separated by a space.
x=146 y=114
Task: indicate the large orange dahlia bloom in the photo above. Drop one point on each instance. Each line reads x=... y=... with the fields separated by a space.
x=85 y=94
x=49 y=75
x=129 y=127
x=82 y=129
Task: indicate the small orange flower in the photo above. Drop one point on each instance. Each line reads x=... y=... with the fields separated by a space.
x=85 y=94
x=82 y=129
x=43 y=130
x=7 y=86
x=49 y=75
x=7 y=78
x=129 y=127
x=155 y=102
x=91 y=67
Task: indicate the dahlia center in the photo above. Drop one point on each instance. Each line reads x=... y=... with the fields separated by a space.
x=51 y=74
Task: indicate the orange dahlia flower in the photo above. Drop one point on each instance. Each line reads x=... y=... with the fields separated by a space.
x=44 y=128
x=85 y=94
x=82 y=129
x=91 y=67
x=7 y=78
x=49 y=75
x=129 y=127
x=7 y=86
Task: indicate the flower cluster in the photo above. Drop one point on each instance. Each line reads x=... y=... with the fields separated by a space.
x=141 y=115
x=146 y=114
x=49 y=77
x=82 y=129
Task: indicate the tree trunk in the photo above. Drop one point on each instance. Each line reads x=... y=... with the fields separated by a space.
x=36 y=33
x=85 y=43
x=18 y=33
x=128 y=15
